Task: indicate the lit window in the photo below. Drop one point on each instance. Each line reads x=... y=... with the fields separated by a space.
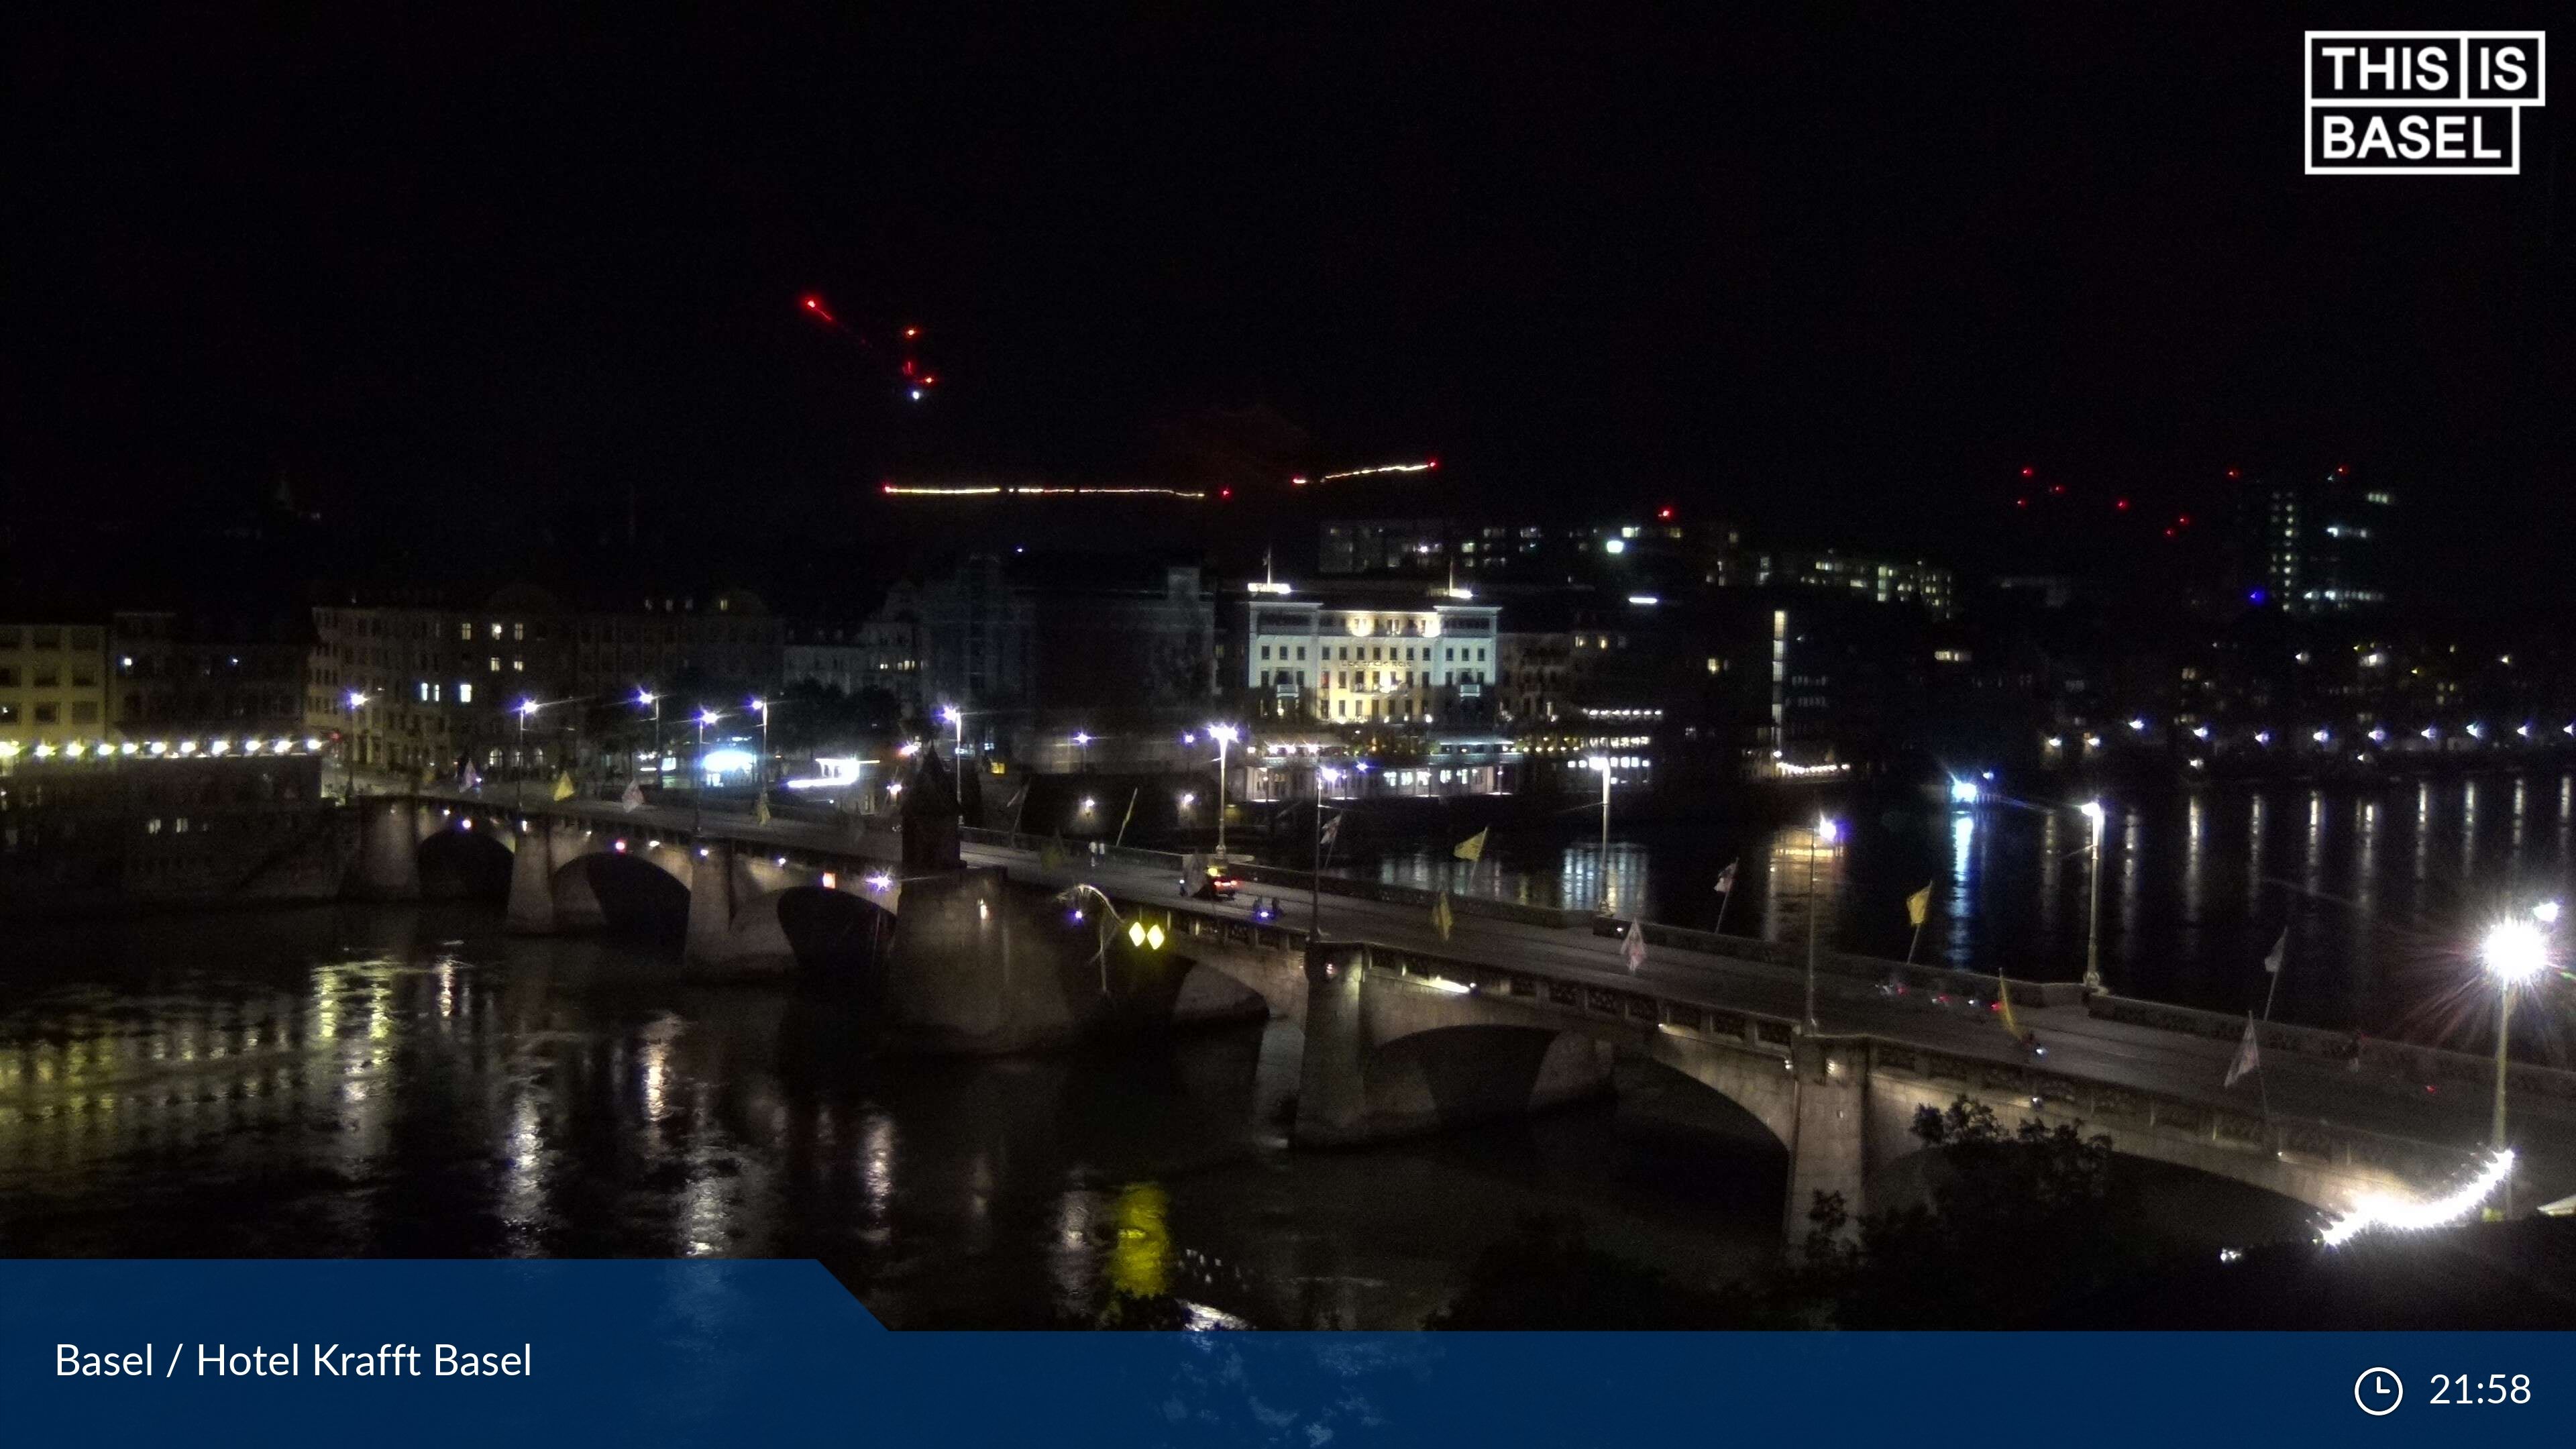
x=464 y=693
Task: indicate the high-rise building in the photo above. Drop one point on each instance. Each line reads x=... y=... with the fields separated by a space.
x=2315 y=546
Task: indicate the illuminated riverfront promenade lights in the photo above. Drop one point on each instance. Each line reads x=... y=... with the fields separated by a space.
x=2387 y=1213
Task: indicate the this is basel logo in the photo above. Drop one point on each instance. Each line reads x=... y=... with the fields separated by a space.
x=2421 y=102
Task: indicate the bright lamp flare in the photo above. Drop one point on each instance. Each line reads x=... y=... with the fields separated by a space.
x=2514 y=950
x=2383 y=1212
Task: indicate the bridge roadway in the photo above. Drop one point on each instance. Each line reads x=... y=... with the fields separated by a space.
x=2169 y=1065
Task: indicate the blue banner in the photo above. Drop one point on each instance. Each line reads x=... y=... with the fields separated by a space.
x=629 y=1352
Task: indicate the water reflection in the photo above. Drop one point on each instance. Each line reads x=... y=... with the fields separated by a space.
x=351 y=1083
x=2198 y=881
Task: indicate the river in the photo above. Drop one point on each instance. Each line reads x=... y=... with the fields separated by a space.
x=2382 y=892
x=408 y=1081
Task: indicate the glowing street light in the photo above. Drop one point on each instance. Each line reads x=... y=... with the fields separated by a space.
x=1963 y=792
x=647 y=697
x=1224 y=735
x=2513 y=952
x=763 y=706
x=526 y=710
x=1082 y=743
x=349 y=747
x=2093 y=911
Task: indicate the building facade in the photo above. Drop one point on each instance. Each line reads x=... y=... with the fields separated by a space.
x=53 y=688
x=1353 y=657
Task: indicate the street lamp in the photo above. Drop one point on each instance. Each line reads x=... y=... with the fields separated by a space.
x=349 y=748
x=763 y=706
x=1082 y=742
x=646 y=696
x=1828 y=831
x=2514 y=952
x=1601 y=902
x=698 y=786
x=2093 y=911
x=527 y=710
x=1224 y=735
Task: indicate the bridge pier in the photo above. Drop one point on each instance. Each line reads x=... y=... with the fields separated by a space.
x=532 y=879
x=710 y=901
x=1390 y=1055
x=1829 y=1146
x=388 y=849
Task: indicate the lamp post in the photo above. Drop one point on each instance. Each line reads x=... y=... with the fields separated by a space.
x=1082 y=743
x=698 y=786
x=763 y=706
x=1827 y=832
x=2513 y=952
x=646 y=696
x=1601 y=901
x=1315 y=881
x=1224 y=735
x=527 y=710
x=957 y=757
x=2093 y=910
x=349 y=747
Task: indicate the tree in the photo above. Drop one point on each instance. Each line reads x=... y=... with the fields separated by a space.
x=2019 y=1231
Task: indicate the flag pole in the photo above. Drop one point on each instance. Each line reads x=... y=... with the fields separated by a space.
x=1911 y=944
x=1725 y=898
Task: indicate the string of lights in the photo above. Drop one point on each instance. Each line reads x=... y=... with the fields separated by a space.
x=1425 y=466
x=2386 y=1212
x=1034 y=490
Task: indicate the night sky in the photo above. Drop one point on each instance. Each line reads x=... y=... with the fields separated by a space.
x=1836 y=271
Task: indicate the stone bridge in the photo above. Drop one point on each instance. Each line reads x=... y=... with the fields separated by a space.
x=1400 y=1042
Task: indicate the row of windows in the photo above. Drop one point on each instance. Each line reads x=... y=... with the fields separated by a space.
x=49 y=711
x=50 y=676
x=1452 y=653
x=46 y=636
x=1369 y=679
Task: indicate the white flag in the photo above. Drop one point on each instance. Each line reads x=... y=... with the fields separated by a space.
x=2280 y=948
x=633 y=798
x=2249 y=1056
x=1634 y=948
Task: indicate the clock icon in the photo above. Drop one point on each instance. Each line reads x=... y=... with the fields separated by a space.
x=2378 y=1392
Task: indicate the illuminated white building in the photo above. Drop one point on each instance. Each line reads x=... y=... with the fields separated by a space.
x=1345 y=658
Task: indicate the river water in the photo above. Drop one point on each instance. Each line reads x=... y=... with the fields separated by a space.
x=2382 y=891
x=409 y=1081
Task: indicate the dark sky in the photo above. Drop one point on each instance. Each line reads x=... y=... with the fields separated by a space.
x=1836 y=270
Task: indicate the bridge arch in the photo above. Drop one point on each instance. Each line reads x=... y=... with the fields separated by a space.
x=464 y=862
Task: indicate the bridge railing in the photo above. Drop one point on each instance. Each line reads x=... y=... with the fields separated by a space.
x=1490 y=907
x=2126 y=1109
x=2423 y=1065
x=1930 y=980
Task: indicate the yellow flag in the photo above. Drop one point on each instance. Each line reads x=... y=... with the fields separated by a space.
x=1441 y=920
x=1918 y=905
x=1473 y=847
x=2003 y=1003
x=563 y=786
